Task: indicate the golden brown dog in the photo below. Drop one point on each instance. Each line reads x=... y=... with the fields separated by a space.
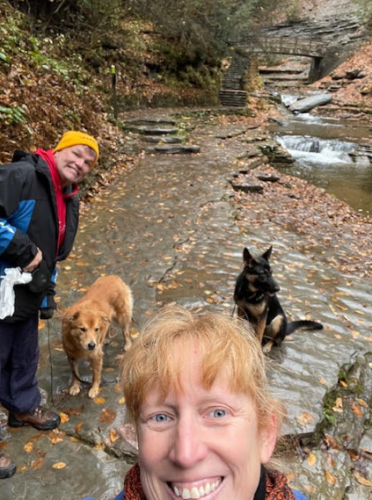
x=85 y=325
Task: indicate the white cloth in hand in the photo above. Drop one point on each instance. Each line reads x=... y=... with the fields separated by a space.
x=13 y=276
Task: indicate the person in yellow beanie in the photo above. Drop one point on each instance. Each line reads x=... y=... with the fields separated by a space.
x=75 y=155
x=39 y=213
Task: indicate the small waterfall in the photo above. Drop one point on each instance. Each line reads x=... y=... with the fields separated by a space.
x=332 y=153
x=307 y=149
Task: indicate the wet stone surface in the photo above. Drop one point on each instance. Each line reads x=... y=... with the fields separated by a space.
x=168 y=228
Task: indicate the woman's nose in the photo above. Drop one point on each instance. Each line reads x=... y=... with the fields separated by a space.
x=81 y=163
x=189 y=445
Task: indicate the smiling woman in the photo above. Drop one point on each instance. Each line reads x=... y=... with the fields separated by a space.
x=196 y=390
x=39 y=214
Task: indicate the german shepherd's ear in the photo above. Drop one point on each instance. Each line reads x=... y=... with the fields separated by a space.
x=267 y=254
x=247 y=257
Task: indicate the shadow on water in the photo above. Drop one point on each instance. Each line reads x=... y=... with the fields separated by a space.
x=324 y=152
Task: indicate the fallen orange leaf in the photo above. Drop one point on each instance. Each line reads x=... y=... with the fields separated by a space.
x=59 y=465
x=338 y=405
x=309 y=488
x=113 y=435
x=304 y=419
x=28 y=447
x=362 y=402
x=356 y=409
x=64 y=417
x=107 y=416
x=100 y=446
x=330 y=478
x=78 y=427
x=362 y=480
x=312 y=459
x=99 y=401
x=56 y=437
x=36 y=464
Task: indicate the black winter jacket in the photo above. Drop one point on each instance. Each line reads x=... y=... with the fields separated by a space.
x=28 y=221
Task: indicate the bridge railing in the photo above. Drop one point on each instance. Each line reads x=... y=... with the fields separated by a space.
x=309 y=47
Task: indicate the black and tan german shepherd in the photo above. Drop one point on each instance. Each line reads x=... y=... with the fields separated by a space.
x=256 y=300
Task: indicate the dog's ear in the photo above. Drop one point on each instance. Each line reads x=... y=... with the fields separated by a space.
x=247 y=257
x=67 y=316
x=103 y=316
x=267 y=254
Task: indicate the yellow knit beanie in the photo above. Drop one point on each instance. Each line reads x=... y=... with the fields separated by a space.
x=73 y=138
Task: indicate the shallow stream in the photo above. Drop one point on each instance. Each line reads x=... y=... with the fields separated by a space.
x=324 y=152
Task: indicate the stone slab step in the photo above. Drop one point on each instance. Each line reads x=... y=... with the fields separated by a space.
x=176 y=149
x=172 y=139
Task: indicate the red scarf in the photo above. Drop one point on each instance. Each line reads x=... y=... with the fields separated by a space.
x=276 y=486
x=61 y=197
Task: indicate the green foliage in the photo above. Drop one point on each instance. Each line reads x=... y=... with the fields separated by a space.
x=73 y=117
x=40 y=57
x=365 y=10
x=12 y=115
x=328 y=404
x=10 y=40
x=4 y=59
x=201 y=28
x=74 y=13
x=203 y=77
x=293 y=11
x=37 y=51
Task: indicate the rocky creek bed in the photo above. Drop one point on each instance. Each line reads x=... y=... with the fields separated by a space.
x=174 y=227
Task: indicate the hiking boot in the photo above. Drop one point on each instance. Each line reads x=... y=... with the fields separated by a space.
x=7 y=468
x=41 y=419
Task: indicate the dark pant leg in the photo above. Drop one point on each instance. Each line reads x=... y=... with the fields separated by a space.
x=19 y=357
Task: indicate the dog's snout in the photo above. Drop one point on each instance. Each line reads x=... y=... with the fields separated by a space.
x=91 y=346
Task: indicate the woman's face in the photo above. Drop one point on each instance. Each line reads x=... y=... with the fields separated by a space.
x=201 y=443
x=74 y=163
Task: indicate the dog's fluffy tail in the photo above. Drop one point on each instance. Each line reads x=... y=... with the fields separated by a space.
x=302 y=325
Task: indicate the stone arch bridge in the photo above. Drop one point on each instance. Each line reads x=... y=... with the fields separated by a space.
x=245 y=47
x=304 y=47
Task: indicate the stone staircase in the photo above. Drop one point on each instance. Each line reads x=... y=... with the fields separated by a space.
x=232 y=93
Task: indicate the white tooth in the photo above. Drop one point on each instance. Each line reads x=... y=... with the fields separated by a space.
x=177 y=491
x=207 y=489
x=194 y=492
x=186 y=494
x=201 y=491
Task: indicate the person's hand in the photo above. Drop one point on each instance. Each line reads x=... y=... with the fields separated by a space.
x=34 y=263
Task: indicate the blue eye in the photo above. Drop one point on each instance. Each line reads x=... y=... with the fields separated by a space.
x=160 y=417
x=219 y=413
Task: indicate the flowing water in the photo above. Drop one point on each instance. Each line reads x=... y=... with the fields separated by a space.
x=329 y=153
x=168 y=228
